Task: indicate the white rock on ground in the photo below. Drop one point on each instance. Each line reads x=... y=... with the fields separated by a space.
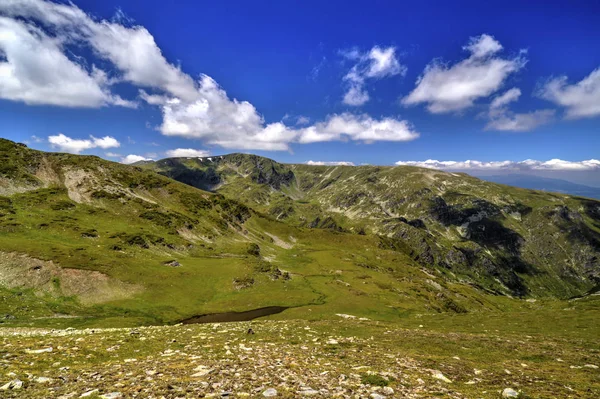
x=510 y=393
x=439 y=376
x=14 y=384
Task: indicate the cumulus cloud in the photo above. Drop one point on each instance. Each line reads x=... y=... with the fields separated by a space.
x=132 y=158
x=302 y=120
x=454 y=88
x=376 y=63
x=131 y=49
x=187 y=153
x=36 y=71
x=219 y=120
x=529 y=164
x=75 y=146
x=504 y=99
x=191 y=108
x=521 y=122
x=330 y=163
x=501 y=118
x=358 y=127
x=581 y=99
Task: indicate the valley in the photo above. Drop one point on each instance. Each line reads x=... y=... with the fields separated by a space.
x=381 y=276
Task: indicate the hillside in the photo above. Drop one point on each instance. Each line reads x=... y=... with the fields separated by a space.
x=90 y=242
x=507 y=240
x=377 y=282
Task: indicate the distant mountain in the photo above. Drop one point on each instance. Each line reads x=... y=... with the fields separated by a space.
x=168 y=240
x=544 y=184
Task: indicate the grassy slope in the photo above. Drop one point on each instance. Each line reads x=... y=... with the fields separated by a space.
x=87 y=214
x=480 y=354
x=509 y=240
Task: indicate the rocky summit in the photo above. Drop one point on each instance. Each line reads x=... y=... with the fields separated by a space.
x=237 y=276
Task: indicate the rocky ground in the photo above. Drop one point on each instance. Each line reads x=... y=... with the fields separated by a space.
x=349 y=358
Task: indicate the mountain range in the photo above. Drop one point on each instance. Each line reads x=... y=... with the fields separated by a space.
x=544 y=184
x=165 y=241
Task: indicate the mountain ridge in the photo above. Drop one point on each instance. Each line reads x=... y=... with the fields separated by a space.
x=102 y=241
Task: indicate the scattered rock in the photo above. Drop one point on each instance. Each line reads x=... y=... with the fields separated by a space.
x=36 y=351
x=510 y=393
x=439 y=376
x=388 y=390
x=172 y=263
x=270 y=392
x=43 y=380
x=89 y=393
x=112 y=395
x=308 y=392
x=14 y=384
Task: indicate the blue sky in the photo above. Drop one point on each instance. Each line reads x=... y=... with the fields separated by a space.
x=363 y=82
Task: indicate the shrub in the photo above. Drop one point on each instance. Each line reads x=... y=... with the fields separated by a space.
x=62 y=205
x=374 y=379
x=253 y=249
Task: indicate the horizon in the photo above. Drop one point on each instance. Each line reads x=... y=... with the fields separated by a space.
x=506 y=92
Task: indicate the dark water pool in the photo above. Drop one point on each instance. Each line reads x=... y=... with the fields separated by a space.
x=234 y=316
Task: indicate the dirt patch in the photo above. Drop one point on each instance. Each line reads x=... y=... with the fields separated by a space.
x=47 y=174
x=79 y=184
x=8 y=187
x=279 y=242
x=91 y=287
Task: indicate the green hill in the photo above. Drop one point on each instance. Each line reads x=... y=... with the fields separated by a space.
x=508 y=240
x=93 y=242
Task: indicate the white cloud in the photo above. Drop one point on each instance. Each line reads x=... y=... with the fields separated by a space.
x=581 y=99
x=132 y=158
x=501 y=118
x=106 y=142
x=358 y=127
x=218 y=120
x=131 y=49
x=75 y=146
x=330 y=163
x=454 y=88
x=302 y=120
x=194 y=109
x=112 y=154
x=521 y=122
x=36 y=71
x=529 y=164
x=187 y=153
x=356 y=95
x=505 y=99
x=377 y=63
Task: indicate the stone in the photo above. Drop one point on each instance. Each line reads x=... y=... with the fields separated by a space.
x=439 y=376
x=36 y=351
x=112 y=395
x=89 y=393
x=308 y=392
x=388 y=390
x=375 y=395
x=270 y=392
x=43 y=380
x=510 y=393
x=14 y=384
